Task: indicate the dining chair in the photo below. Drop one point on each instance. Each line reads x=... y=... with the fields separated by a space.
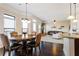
x=36 y=43
x=34 y=33
x=6 y=45
x=14 y=34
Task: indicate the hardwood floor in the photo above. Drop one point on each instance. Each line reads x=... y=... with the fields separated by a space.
x=47 y=49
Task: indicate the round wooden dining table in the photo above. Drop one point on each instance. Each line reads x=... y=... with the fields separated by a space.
x=23 y=39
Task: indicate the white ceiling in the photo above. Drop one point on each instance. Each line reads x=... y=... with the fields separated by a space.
x=45 y=11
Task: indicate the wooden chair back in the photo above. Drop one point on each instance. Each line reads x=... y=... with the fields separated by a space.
x=14 y=34
x=34 y=33
x=38 y=39
x=4 y=40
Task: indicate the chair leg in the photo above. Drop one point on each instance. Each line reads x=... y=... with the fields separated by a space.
x=9 y=52
x=35 y=49
x=39 y=49
x=4 y=51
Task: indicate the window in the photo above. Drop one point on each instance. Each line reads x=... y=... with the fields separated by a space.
x=34 y=25
x=9 y=24
x=24 y=26
x=39 y=28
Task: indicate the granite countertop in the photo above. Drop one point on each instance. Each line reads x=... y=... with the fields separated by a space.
x=71 y=36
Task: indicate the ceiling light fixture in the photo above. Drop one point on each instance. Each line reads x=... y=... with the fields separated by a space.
x=75 y=20
x=54 y=21
x=26 y=19
x=70 y=17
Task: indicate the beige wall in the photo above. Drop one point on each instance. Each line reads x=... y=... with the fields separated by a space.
x=1 y=23
x=10 y=11
x=4 y=9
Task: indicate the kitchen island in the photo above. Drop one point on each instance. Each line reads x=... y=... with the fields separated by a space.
x=71 y=44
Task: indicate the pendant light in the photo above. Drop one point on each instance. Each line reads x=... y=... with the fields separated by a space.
x=54 y=23
x=75 y=20
x=71 y=17
x=25 y=19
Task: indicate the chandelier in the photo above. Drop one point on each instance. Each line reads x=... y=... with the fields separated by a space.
x=25 y=19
